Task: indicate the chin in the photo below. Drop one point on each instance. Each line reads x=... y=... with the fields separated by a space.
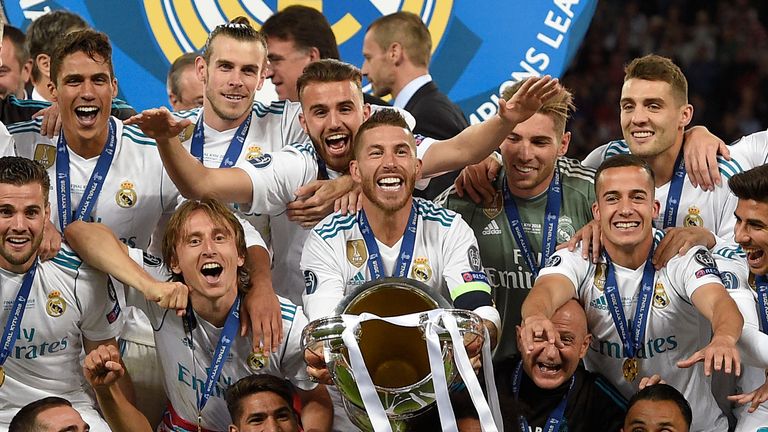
x=549 y=383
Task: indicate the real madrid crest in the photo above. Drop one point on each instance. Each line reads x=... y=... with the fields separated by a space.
x=253 y=152
x=494 y=208
x=421 y=270
x=693 y=218
x=601 y=270
x=660 y=297
x=565 y=229
x=357 y=253
x=257 y=361
x=45 y=154
x=126 y=196
x=56 y=306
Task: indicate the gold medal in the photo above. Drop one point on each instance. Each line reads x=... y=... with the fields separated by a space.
x=2 y=376
x=630 y=369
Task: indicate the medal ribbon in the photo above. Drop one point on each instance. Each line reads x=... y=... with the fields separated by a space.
x=228 y=334
x=375 y=264
x=235 y=145
x=675 y=190
x=95 y=183
x=632 y=338
x=14 y=318
x=761 y=283
x=555 y=417
x=322 y=168
x=552 y=214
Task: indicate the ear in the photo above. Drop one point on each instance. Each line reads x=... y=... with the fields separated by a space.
x=418 y=168
x=174 y=265
x=232 y=428
x=518 y=332
x=201 y=69
x=52 y=89
x=26 y=70
x=395 y=53
x=366 y=111
x=240 y=261
x=686 y=115
x=303 y=122
x=114 y=88
x=564 y=142
x=173 y=100
x=354 y=171
x=314 y=54
x=656 y=208
x=585 y=346
x=595 y=211
x=44 y=64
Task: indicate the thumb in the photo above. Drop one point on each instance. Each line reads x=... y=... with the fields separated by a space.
x=308 y=189
x=690 y=361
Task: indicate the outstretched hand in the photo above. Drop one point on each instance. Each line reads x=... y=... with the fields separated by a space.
x=528 y=99
x=158 y=123
x=754 y=398
x=719 y=354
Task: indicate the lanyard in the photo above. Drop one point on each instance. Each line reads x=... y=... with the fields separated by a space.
x=14 y=318
x=95 y=183
x=555 y=417
x=552 y=214
x=613 y=298
x=235 y=146
x=228 y=334
x=322 y=168
x=675 y=190
x=761 y=283
x=375 y=264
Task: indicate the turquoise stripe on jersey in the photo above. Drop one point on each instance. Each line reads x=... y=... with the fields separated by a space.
x=731 y=252
x=138 y=137
x=74 y=265
x=729 y=168
x=325 y=235
x=28 y=103
x=25 y=126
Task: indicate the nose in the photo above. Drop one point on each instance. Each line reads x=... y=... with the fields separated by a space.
x=740 y=233
x=271 y=425
x=639 y=116
x=18 y=222
x=625 y=207
x=270 y=72
x=550 y=351
x=88 y=89
x=525 y=153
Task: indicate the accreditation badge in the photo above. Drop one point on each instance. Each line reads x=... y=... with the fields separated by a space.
x=56 y=306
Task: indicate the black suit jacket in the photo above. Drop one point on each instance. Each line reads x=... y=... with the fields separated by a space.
x=436 y=117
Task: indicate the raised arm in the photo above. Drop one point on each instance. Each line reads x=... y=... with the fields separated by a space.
x=195 y=181
x=98 y=246
x=478 y=141
x=547 y=295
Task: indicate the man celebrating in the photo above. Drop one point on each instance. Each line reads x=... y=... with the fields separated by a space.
x=550 y=382
x=642 y=321
x=537 y=184
x=50 y=414
x=203 y=353
x=658 y=407
x=394 y=234
x=261 y=401
x=59 y=307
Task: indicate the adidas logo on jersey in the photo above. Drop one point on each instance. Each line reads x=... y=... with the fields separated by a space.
x=357 y=279
x=492 y=229
x=599 y=303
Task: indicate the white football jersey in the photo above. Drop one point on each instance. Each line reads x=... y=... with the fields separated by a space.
x=185 y=356
x=68 y=301
x=673 y=333
x=748 y=152
x=6 y=142
x=445 y=257
x=709 y=209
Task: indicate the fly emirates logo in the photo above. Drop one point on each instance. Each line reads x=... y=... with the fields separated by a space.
x=652 y=347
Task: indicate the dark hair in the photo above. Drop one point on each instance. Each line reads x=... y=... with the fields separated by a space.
x=329 y=70
x=382 y=117
x=91 y=42
x=238 y=28
x=177 y=67
x=18 y=40
x=306 y=27
x=253 y=384
x=654 y=67
x=751 y=185
x=26 y=419
x=20 y=171
x=220 y=215
x=624 y=160
x=407 y=29
x=660 y=393
x=44 y=32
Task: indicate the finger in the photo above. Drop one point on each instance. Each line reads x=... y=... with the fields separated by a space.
x=724 y=150
x=458 y=184
x=737 y=361
x=643 y=383
x=713 y=173
x=277 y=333
x=309 y=189
x=690 y=361
x=754 y=405
x=57 y=126
x=474 y=195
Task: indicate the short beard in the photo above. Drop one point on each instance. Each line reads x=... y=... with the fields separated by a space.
x=17 y=261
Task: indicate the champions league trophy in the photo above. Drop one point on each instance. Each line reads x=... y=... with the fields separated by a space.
x=393 y=349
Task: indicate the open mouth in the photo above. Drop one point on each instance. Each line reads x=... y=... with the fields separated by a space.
x=642 y=134
x=87 y=114
x=211 y=271
x=523 y=169
x=234 y=97
x=17 y=241
x=626 y=225
x=390 y=184
x=548 y=368
x=337 y=143
x=754 y=256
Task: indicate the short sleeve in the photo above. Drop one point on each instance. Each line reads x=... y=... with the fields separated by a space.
x=324 y=283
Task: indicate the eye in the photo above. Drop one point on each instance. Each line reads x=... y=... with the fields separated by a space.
x=627 y=107
x=194 y=241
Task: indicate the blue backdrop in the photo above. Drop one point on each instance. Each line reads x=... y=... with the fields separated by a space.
x=479 y=45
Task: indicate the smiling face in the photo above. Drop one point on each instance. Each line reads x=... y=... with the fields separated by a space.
x=530 y=153
x=332 y=112
x=751 y=232
x=625 y=207
x=232 y=75
x=652 y=119
x=550 y=367
x=84 y=90
x=207 y=257
x=386 y=167
x=24 y=211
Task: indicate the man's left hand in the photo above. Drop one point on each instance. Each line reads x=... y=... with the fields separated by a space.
x=158 y=123
x=528 y=99
x=721 y=353
x=261 y=308
x=678 y=241
x=316 y=200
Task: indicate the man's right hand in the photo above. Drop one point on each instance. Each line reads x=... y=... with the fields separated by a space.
x=539 y=328
x=477 y=181
x=316 y=367
x=589 y=236
x=169 y=295
x=102 y=367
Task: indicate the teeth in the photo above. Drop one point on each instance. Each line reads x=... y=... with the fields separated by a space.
x=642 y=134
x=209 y=266
x=17 y=241
x=524 y=169
x=389 y=181
x=337 y=137
x=627 y=224
x=234 y=97
x=87 y=109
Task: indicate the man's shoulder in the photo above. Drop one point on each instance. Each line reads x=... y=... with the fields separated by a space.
x=334 y=225
x=132 y=135
x=574 y=172
x=431 y=212
x=28 y=127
